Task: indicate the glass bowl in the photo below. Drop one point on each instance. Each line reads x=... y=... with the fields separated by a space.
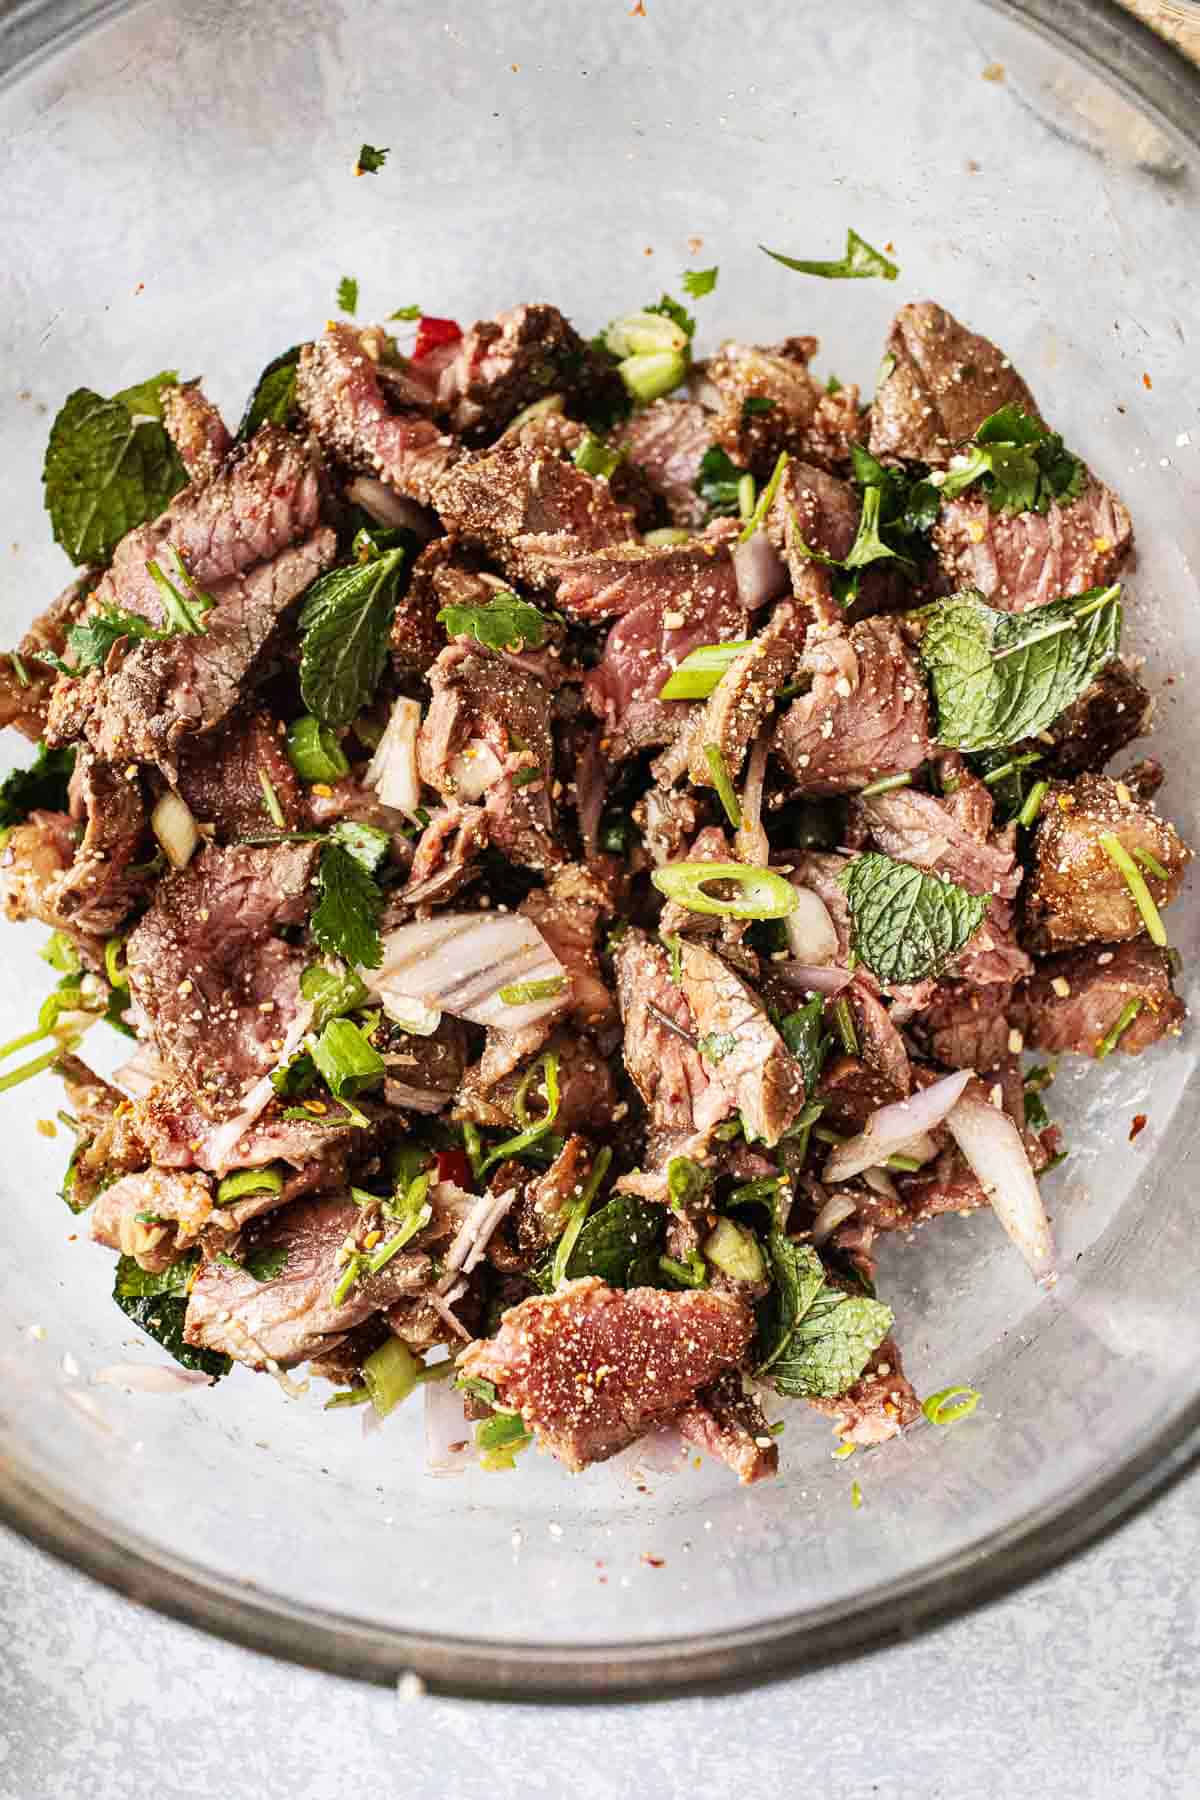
x=179 y=193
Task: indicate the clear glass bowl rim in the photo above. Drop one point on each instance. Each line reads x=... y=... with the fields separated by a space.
x=1152 y=72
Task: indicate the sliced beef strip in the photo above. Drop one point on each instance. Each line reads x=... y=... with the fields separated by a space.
x=488 y=714
x=173 y=1128
x=744 y=698
x=522 y=355
x=219 y=991
x=880 y=1043
x=1076 y=894
x=344 y=388
x=681 y=1092
x=1075 y=999
x=293 y=1317
x=220 y=777
x=728 y=1423
x=879 y=1405
x=951 y=836
x=446 y=573
x=568 y=914
x=692 y=600
x=590 y=1369
x=587 y=1095
x=424 y=1073
x=181 y=1204
x=1019 y=560
x=943 y=383
x=865 y=716
x=25 y=697
x=1107 y=716
x=668 y=440
x=147 y=701
x=529 y=510
x=816 y=511
x=681 y=579
x=78 y=879
x=444 y=860
x=966 y=1027
x=668 y=820
x=740 y=372
x=746 y=1054
x=196 y=429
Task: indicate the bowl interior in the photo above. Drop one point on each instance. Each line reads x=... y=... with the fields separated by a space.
x=179 y=193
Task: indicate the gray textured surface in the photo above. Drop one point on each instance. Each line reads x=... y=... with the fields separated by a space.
x=1083 y=1684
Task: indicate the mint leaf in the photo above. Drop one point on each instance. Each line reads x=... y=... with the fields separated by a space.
x=907 y=925
x=698 y=282
x=157 y=1305
x=274 y=398
x=1021 y=465
x=344 y=626
x=505 y=623
x=813 y=1340
x=347 y=295
x=367 y=844
x=859 y=262
x=999 y=677
x=104 y=474
x=346 y=920
x=370 y=160
x=42 y=785
x=620 y=1243
x=144 y=399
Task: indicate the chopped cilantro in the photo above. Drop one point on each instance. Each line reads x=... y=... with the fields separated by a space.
x=370 y=161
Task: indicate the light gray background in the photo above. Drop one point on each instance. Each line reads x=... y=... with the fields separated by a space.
x=1083 y=1685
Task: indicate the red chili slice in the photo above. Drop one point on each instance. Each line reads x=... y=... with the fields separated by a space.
x=452 y=1165
x=433 y=333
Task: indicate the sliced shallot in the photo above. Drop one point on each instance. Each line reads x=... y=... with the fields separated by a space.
x=836 y=1210
x=760 y=572
x=892 y=1129
x=992 y=1145
x=449 y=1435
x=811 y=933
x=392 y=771
x=387 y=507
x=811 y=975
x=461 y=963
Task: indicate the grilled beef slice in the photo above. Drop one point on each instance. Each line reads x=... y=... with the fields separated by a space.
x=196 y=429
x=1076 y=894
x=1019 y=560
x=943 y=383
x=1075 y=999
x=345 y=385
x=865 y=716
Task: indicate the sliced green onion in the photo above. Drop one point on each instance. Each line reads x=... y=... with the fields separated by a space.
x=59 y=951
x=734 y=1250
x=500 y=1438
x=356 y=1265
x=271 y=801
x=1010 y=768
x=951 y=1404
x=19 y=669
x=885 y=785
x=390 y=1374
x=719 y=769
x=347 y=1397
x=765 y=500
x=524 y=1116
x=1152 y=865
x=249 y=1181
x=765 y=894
x=666 y=534
x=843 y=1019
x=746 y=494
x=331 y=994
x=856 y=1495
x=29 y=1069
x=701 y=670
x=513 y=1146
x=1125 y=1018
x=1033 y=803
x=473 y=1145
x=648 y=378
x=644 y=334
x=844 y=1450
x=522 y=993
x=578 y=1216
x=824 y=1135
x=691 y=1274
x=595 y=458
x=114 y=962
x=1135 y=881
x=346 y=1061
x=314 y=750
x=903 y=1165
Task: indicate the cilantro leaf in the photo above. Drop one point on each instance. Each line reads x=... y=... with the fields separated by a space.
x=407 y=312
x=504 y=623
x=1020 y=464
x=717 y=482
x=106 y=471
x=813 y=1340
x=42 y=785
x=92 y=641
x=157 y=1304
x=344 y=626
x=859 y=262
x=370 y=161
x=756 y=404
x=698 y=282
x=274 y=398
x=999 y=677
x=678 y=315
x=347 y=294
x=907 y=925
x=346 y=920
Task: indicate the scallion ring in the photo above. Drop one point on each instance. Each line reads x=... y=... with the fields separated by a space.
x=764 y=895
x=951 y=1404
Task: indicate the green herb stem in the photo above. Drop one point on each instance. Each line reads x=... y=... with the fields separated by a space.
x=886 y=785
x=719 y=769
x=1124 y=1020
x=1135 y=881
x=843 y=1019
x=1151 y=864
x=765 y=500
x=701 y=670
x=1033 y=803
x=747 y=489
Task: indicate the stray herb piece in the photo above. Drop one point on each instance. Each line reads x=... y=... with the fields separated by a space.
x=43 y=785
x=505 y=623
x=406 y=313
x=619 y=1243
x=523 y=993
x=1020 y=465
x=346 y=920
x=274 y=398
x=951 y=1404
x=907 y=925
x=157 y=1305
x=344 y=627
x=346 y=1061
x=719 y=770
x=370 y=161
x=687 y=1183
x=500 y=1440
x=716 y=1045
x=347 y=295
x=717 y=482
x=859 y=262
x=698 y=282
x=803 y=1031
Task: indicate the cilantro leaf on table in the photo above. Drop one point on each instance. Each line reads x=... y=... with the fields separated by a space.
x=108 y=468
x=698 y=282
x=344 y=625
x=347 y=295
x=907 y=925
x=814 y=1341
x=345 y=922
x=407 y=312
x=998 y=677
x=859 y=262
x=42 y=785
x=274 y=398
x=504 y=623
x=157 y=1305
x=370 y=160
x=1020 y=464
